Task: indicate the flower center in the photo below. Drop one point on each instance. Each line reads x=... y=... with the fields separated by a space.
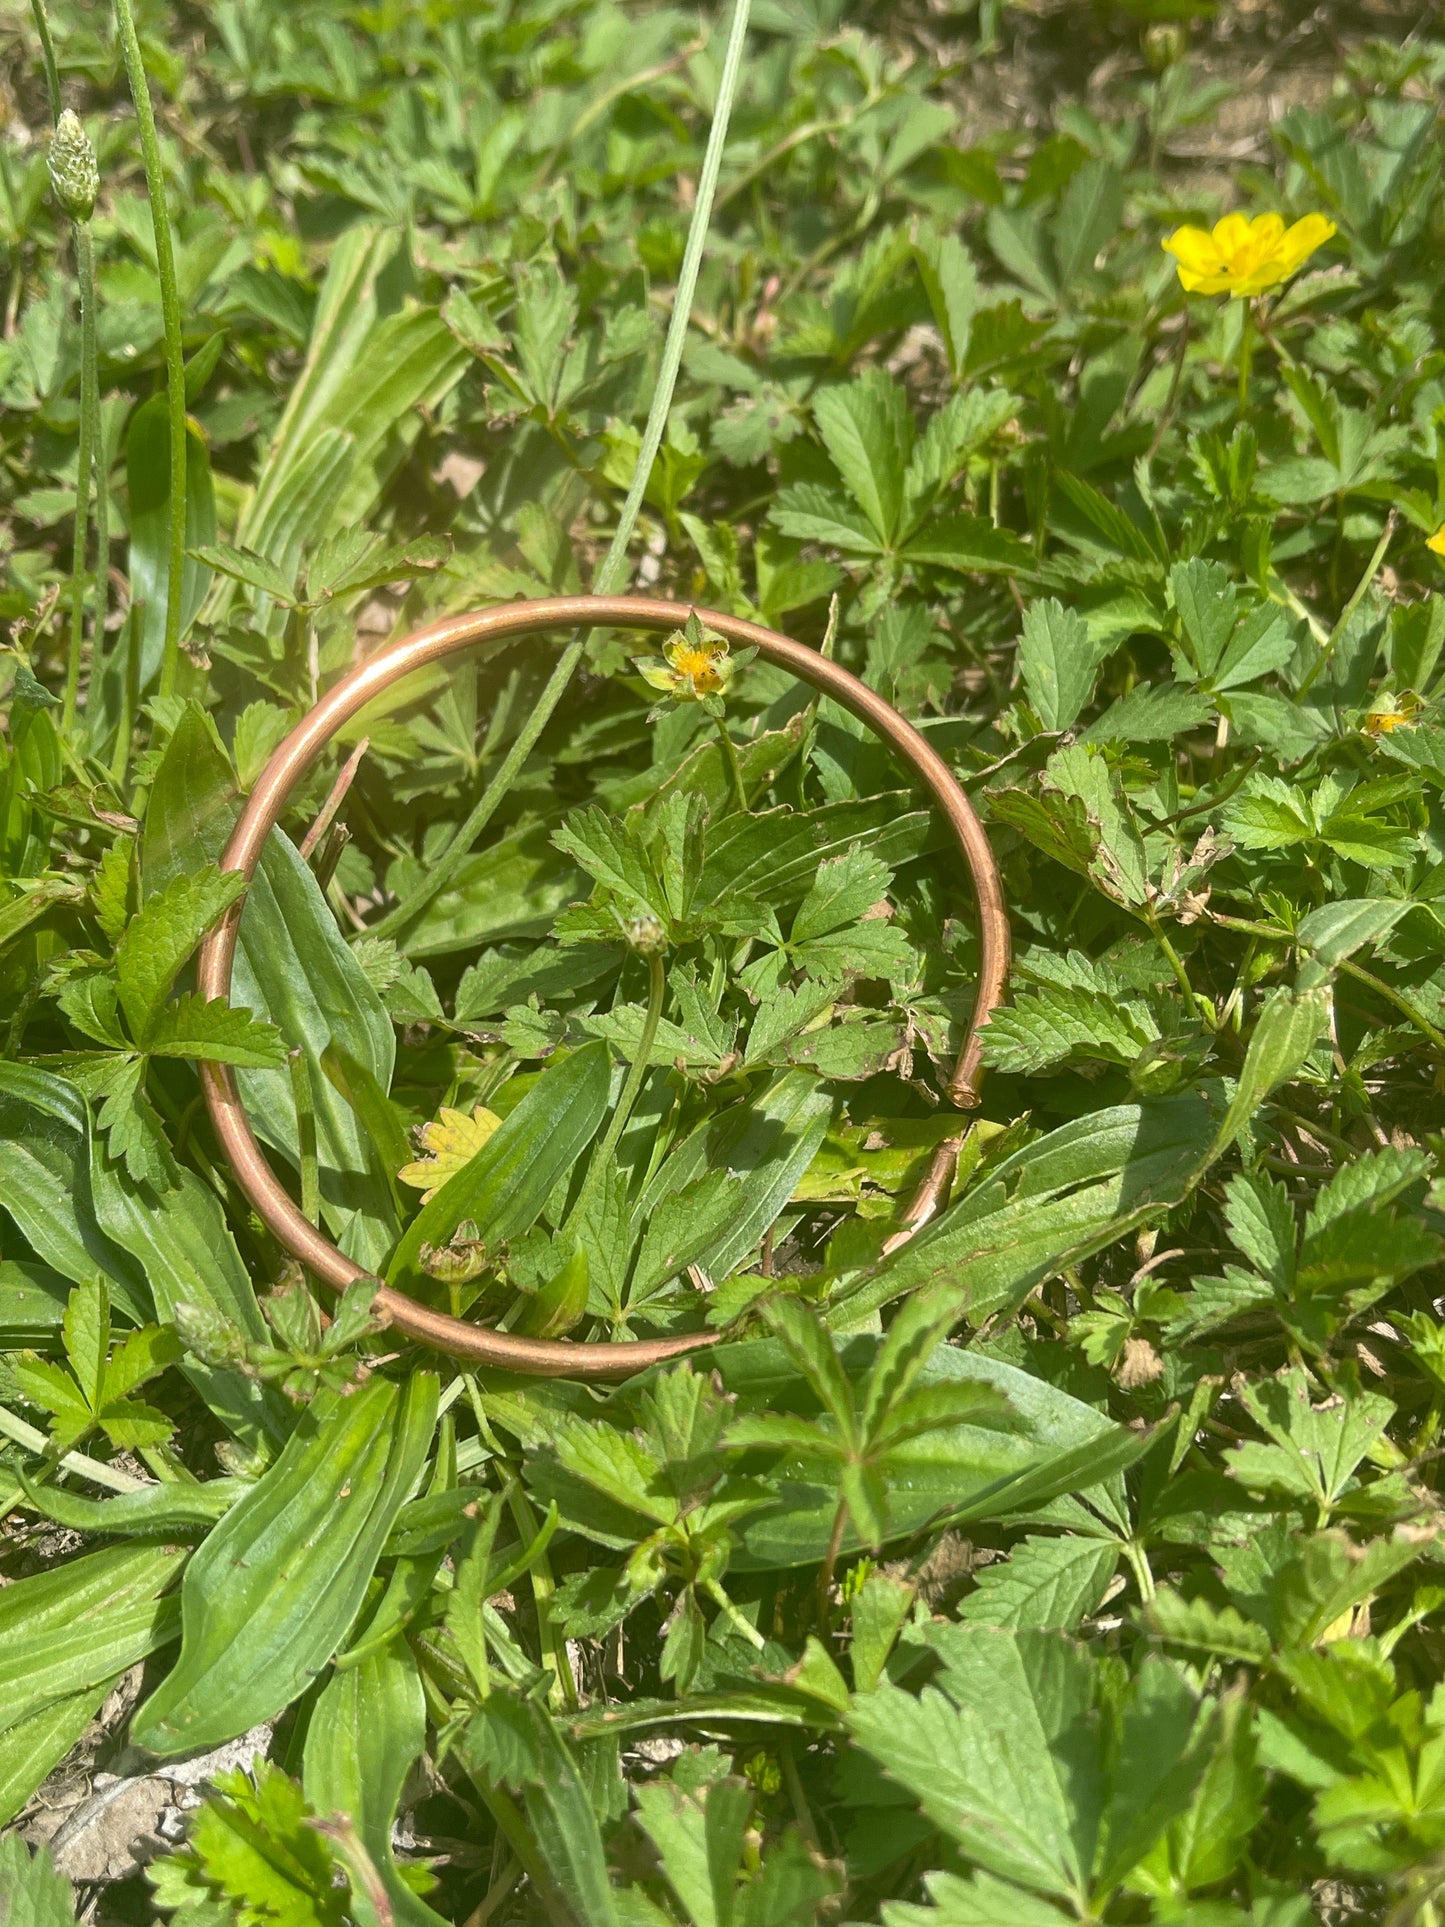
x=697 y=663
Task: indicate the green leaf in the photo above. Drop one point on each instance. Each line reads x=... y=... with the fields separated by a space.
x=82 y=1623
x=1069 y=1193
x=294 y=969
x=1283 y=1038
x=1316 y=1450
x=951 y=281
x=868 y=431
x=1208 y=605
x=1002 y=1761
x=44 y=1163
x=1067 y=1024
x=1059 y=661
x=1337 y=930
x=192 y=803
x=274 y=1590
x=148 y=476
x=1150 y=713
x=244 y=565
x=1042 y=1582
x=30 y=1750
x=367 y=1731
x=32 y=1893
x=215 y=1032
x=504 y=1187
x=86 y=1332
x=155 y=1510
x=251 y=1845
x=811 y=513
x=515 y=1743
x=969 y=545
x=699 y=1838
x=162 y=937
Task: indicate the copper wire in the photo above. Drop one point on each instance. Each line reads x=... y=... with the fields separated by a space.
x=542 y=1357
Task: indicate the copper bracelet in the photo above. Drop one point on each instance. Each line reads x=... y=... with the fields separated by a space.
x=542 y=1357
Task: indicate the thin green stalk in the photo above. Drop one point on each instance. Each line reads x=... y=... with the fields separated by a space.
x=85 y=459
x=171 y=322
x=730 y=757
x=96 y=1470
x=637 y=1070
x=552 y=1645
x=1246 y=349
x=305 y=1103
x=1372 y=568
x=100 y=472
x=1392 y=996
x=1199 y=1003
x=129 y=690
x=47 y=57
x=613 y=572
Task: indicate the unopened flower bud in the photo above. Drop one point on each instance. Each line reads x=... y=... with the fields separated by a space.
x=645 y=935
x=74 y=176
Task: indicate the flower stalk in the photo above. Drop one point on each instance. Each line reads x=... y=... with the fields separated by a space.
x=171 y=324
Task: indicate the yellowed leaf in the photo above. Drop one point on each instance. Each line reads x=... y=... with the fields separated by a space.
x=453 y=1139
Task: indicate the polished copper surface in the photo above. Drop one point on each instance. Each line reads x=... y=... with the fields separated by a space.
x=540 y=1357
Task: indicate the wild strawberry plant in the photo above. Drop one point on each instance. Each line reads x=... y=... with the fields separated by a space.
x=1073 y=1557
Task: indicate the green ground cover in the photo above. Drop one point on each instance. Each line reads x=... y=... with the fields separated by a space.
x=1078 y=1558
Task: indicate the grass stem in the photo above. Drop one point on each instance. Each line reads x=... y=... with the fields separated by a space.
x=84 y=463
x=171 y=325
x=613 y=570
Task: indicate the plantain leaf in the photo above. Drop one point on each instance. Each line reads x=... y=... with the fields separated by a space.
x=275 y=1588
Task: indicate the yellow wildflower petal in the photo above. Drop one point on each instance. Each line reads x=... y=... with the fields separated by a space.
x=1232 y=236
x=655 y=673
x=1437 y=540
x=1300 y=242
x=1266 y=231
x=1193 y=248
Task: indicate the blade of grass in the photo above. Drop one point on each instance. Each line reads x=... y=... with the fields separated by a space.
x=47 y=57
x=171 y=323
x=613 y=571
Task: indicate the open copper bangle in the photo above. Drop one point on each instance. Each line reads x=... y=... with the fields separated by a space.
x=540 y=1357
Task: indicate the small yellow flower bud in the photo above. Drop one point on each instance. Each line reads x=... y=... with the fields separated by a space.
x=74 y=175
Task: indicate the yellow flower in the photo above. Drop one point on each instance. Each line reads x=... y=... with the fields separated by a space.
x=694 y=664
x=1243 y=257
x=1388 y=713
x=453 y=1140
x=1437 y=540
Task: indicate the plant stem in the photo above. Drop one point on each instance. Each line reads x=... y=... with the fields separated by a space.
x=47 y=57
x=1199 y=1003
x=1139 y=1562
x=637 y=1070
x=85 y=459
x=730 y=757
x=1392 y=996
x=171 y=322
x=110 y=1476
x=613 y=571
x=830 y=1564
x=1246 y=349
x=305 y=1103
x=129 y=689
x=552 y=1646
x=1372 y=568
